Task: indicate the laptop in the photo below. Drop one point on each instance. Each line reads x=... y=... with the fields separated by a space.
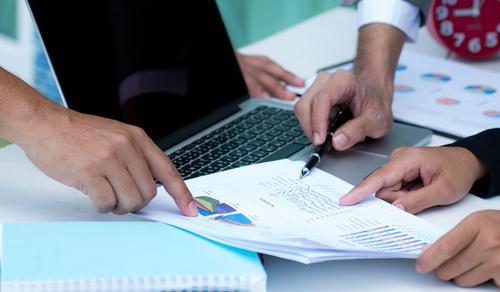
x=169 y=67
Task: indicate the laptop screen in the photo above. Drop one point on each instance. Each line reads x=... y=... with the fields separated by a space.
x=157 y=64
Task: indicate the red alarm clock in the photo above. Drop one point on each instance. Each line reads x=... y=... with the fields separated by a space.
x=469 y=28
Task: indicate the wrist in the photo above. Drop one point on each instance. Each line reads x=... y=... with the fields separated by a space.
x=474 y=164
x=379 y=47
x=37 y=119
x=24 y=112
x=379 y=79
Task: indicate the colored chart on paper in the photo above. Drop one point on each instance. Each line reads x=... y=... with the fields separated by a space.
x=403 y=88
x=480 y=89
x=206 y=203
x=492 y=113
x=386 y=238
x=209 y=206
x=436 y=77
x=401 y=67
x=447 y=101
x=237 y=219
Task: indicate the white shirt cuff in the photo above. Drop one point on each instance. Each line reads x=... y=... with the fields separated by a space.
x=401 y=14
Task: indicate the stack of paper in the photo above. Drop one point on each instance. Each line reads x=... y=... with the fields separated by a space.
x=442 y=95
x=266 y=208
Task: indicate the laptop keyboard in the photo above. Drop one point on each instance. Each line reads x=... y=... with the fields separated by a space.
x=264 y=134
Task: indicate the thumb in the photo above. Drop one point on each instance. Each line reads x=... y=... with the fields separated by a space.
x=421 y=199
x=352 y=132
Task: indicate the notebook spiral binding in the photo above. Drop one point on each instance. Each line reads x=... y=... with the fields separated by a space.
x=158 y=283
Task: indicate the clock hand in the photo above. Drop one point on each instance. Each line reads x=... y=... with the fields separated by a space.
x=473 y=11
x=477 y=9
x=464 y=12
x=475 y=5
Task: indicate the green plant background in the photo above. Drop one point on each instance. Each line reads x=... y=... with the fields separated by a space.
x=8 y=18
x=251 y=20
x=3 y=143
x=8 y=27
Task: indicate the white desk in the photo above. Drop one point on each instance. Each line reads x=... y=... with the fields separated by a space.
x=28 y=195
x=327 y=39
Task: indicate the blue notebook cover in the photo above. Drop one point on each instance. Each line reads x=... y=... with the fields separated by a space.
x=118 y=256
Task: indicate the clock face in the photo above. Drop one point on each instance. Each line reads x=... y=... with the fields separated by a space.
x=469 y=28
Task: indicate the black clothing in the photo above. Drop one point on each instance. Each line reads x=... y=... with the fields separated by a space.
x=486 y=147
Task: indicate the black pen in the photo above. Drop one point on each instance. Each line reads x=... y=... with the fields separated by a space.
x=342 y=116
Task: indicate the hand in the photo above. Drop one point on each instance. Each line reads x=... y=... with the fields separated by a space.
x=445 y=174
x=113 y=163
x=370 y=104
x=469 y=254
x=265 y=78
x=367 y=92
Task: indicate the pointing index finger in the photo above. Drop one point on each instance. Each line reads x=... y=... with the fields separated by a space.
x=390 y=174
x=165 y=172
x=366 y=188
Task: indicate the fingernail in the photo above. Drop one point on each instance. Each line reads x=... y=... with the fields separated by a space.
x=344 y=200
x=316 y=138
x=419 y=268
x=340 y=141
x=400 y=206
x=290 y=95
x=299 y=81
x=266 y=95
x=193 y=209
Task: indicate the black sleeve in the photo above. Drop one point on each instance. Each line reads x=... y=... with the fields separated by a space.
x=486 y=147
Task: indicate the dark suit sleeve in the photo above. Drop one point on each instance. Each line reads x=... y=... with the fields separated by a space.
x=486 y=147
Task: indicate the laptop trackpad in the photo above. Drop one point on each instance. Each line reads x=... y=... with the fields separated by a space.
x=351 y=166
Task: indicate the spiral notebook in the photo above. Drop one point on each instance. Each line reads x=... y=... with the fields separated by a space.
x=121 y=256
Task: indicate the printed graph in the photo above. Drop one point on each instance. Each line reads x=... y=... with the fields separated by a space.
x=401 y=68
x=209 y=206
x=436 y=77
x=480 y=89
x=355 y=224
x=447 y=101
x=314 y=202
x=386 y=239
x=236 y=219
x=215 y=210
x=402 y=88
x=492 y=113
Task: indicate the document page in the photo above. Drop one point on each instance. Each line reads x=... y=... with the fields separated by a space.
x=267 y=208
x=440 y=94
